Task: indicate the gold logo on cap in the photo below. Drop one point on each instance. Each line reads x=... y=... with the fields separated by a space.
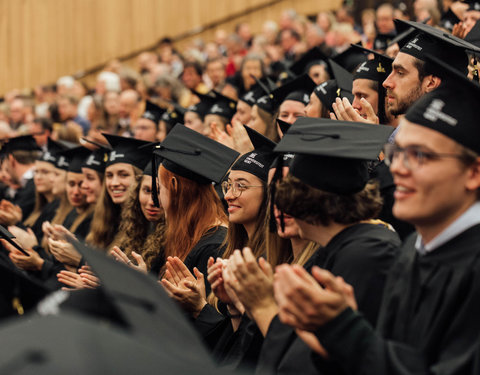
x=338 y=92
x=380 y=68
x=105 y=157
x=232 y=105
x=173 y=115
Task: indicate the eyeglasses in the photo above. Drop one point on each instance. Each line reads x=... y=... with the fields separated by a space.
x=413 y=156
x=237 y=188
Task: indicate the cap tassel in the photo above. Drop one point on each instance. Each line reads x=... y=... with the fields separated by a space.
x=277 y=176
x=154 y=189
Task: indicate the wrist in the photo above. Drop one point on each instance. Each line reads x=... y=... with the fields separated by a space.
x=199 y=309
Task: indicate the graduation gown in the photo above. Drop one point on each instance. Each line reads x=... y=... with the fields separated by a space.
x=210 y=245
x=47 y=214
x=362 y=254
x=25 y=198
x=429 y=321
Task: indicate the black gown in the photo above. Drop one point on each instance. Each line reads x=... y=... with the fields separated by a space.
x=429 y=320
x=362 y=254
x=25 y=198
x=47 y=214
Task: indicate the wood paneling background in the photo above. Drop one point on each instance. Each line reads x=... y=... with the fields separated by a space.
x=41 y=40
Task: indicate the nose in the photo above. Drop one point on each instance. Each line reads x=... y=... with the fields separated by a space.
x=356 y=104
x=229 y=195
x=397 y=166
x=388 y=83
x=115 y=180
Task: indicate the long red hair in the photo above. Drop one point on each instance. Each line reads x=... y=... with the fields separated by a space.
x=193 y=210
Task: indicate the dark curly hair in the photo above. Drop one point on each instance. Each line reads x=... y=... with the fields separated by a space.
x=318 y=207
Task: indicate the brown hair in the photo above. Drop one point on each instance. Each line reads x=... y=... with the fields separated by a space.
x=107 y=217
x=320 y=207
x=134 y=230
x=40 y=202
x=25 y=157
x=270 y=124
x=185 y=224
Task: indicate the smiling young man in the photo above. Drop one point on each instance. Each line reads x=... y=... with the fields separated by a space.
x=428 y=322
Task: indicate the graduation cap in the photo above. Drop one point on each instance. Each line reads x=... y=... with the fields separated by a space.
x=76 y=157
x=146 y=309
x=349 y=59
x=313 y=56
x=190 y=154
x=443 y=45
x=382 y=41
x=258 y=161
x=53 y=150
x=261 y=88
x=20 y=143
x=148 y=170
x=339 y=87
x=153 y=112
x=298 y=90
x=173 y=116
x=128 y=150
x=202 y=107
x=68 y=342
x=451 y=109
x=473 y=5
x=473 y=36
x=449 y=19
x=333 y=155
x=97 y=160
x=7 y=236
x=224 y=106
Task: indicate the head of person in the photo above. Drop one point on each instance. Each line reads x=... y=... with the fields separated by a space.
x=262 y=121
x=75 y=193
x=412 y=77
x=252 y=65
x=17 y=111
x=215 y=70
x=93 y=169
x=128 y=103
x=288 y=39
x=192 y=74
x=243 y=113
x=67 y=107
x=435 y=160
x=471 y=16
x=44 y=177
x=41 y=128
x=146 y=127
x=384 y=19
x=146 y=204
x=111 y=103
x=195 y=114
x=21 y=153
x=190 y=163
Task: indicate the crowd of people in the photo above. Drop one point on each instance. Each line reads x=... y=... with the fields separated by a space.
x=306 y=196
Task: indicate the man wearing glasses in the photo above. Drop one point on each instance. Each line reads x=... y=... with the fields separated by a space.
x=429 y=318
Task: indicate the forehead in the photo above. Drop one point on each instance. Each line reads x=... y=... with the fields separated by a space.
x=292 y=106
x=119 y=167
x=76 y=177
x=44 y=165
x=413 y=134
x=145 y=122
x=363 y=85
x=404 y=60
x=242 y=175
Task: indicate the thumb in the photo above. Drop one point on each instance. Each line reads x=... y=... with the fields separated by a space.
x=266 y=267
x=198 y=274
x=369 y=109
x=30 y=231
x=137 y=257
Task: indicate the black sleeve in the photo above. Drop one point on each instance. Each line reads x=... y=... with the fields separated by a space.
x=210 y=324
x=351 y=340
x=199 y=258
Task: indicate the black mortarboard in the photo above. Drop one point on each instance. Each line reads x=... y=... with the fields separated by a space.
x=20 y=143
x=339 y=87
x=148 y=170
x=451 y=109
x=67 y=342
x=473 y=36
x=192 y=155
x=350 y=58
x=153 y=112
x=333 y=155
x=313 y=56
x=259 y=141
x=76 y=158
x=404 y=34
x=224 y=106
x=174 y=115
x=7 y=236
x=202 y=107
x=261 y=88
x=297 y=90
x=382 y=41
x=259 y=160
x=97 y=160
x=145 y=307
x=53 y=150
x=449 y=19
x=433 y=41
x=376 y=69
x=284 y=126
x=128 y=150
x=473 y=5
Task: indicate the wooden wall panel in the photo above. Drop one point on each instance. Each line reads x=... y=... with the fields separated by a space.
x=41 y=40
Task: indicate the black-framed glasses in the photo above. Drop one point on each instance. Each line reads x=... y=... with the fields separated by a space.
x=413 y=156
x=237 y=188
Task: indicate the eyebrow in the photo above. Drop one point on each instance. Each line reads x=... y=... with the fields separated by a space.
x=240 y=179
x=398 y=66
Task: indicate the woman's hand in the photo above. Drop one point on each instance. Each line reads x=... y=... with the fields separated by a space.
x=120 y=256
x=33 y=262
x=64 y=252
x=188 y=290
x=72 y=279
x=10 y=214
x=25 y=238
x=215 y=279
